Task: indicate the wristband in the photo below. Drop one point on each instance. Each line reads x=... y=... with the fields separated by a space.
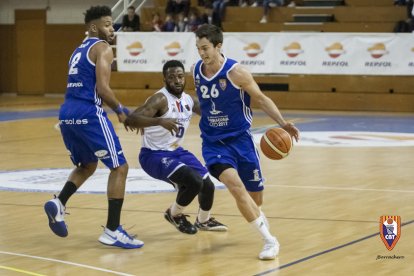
x=121 y=109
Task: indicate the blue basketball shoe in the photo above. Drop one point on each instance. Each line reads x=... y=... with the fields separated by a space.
x=119 y=238
x=55 y=212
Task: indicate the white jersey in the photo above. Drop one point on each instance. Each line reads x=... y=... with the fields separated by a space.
x=157 y=137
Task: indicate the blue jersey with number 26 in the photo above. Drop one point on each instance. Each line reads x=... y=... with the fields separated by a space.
x=225 y=107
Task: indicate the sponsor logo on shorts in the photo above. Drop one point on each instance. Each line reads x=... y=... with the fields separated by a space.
x=101 y=153
x=166 y=161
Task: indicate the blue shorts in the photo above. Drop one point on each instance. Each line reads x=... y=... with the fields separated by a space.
x=89 y=135
x=241 y=153
x=161 y=164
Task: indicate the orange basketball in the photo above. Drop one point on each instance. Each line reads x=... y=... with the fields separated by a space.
x=276 y=143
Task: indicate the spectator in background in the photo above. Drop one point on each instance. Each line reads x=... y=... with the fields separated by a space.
x=175 y=7
x=267 y=5
x=169 y=25
x=182 y=23
x=207 y=15
x=219 y=10
x=194 y=20
x=156 y=22
x=130 y=21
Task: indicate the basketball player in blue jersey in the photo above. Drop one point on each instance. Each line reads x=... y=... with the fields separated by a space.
x=162 y=156
x=87 y=132
x=224 y=89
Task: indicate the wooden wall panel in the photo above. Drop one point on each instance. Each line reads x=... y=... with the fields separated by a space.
x=30 y=47
x=61 y=41
x=8 y=80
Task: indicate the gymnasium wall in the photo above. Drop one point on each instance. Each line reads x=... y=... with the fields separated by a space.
x=63 y=29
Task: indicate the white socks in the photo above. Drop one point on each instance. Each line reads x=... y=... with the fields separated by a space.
x=203 y=216
x=176 y=209
x=260 y=225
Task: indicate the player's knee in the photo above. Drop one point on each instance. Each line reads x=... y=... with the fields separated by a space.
x=208 y=185
x=188 y=178
x=122 y=170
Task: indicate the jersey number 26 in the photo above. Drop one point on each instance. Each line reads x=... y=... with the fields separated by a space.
x=206 y=94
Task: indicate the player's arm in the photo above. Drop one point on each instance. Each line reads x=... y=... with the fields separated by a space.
x=148 y=114
x=103 y=56
x=196 y=107
x=244 y=79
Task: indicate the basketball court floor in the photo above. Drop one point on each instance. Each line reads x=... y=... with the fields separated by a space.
x=324 y=202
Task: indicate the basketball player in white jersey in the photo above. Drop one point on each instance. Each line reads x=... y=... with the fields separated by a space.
x=225 y=89
x=162 y=156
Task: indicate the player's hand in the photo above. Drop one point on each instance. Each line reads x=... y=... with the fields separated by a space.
x=170 y=124
x=122 y=117
x=128 y=127
x=292 y=130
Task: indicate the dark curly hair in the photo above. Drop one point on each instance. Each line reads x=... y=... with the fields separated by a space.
x=172 y=63
x=97 y=12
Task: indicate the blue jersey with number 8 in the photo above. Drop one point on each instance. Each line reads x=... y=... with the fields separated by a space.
x=81 y=76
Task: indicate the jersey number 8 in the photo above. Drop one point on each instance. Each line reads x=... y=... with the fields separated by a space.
x=73 y=70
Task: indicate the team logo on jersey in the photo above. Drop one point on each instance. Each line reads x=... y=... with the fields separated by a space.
x=377 y=50
x=135 y=48
x=179 y=106
x=335 y=50
x=187 y=107
x=223 y=84
x=173 y=49
x=390 y=230
x=253 y=49
x=293 y=49
x=213 y=110
x=197 y=81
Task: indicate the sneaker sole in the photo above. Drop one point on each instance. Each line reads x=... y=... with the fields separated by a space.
x=123 y=246
x=59 y=228
x=214 y=229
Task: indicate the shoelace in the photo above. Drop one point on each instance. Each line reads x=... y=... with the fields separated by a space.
x=131 y=237
x=64 y=207
x=182 y=218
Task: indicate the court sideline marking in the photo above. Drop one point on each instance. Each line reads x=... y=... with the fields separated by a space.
x=323 y=252
x=21 y=270
x=65 y=262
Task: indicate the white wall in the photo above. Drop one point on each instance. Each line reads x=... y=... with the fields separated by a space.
x=59 y=11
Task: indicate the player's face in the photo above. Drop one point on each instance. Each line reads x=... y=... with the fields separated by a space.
x=106 y=29
x=208 y=53
x=175 y=80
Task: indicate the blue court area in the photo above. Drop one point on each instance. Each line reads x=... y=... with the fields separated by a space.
x=306 y=122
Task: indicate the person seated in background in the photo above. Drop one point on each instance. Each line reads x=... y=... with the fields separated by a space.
x=194 y=20
x=169 y=25
x=130 y=21
x=267 y=5
x=181 y=24
x=156 y=22
x=219 y=10
x=175 y=7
